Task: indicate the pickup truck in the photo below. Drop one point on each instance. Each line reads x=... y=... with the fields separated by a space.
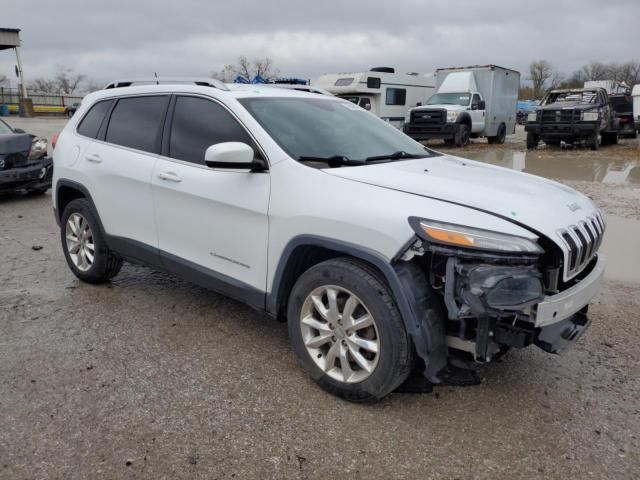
x=574 y=115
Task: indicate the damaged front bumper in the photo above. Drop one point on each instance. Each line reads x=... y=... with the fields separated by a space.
x=36 y=175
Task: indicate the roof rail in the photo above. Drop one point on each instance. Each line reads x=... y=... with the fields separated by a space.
x=203 y=82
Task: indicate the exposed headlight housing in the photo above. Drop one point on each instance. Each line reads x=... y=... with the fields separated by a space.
x=38 y=148
x=532 y=117
x=473 y=238
x=452 y=116
x=590 y=116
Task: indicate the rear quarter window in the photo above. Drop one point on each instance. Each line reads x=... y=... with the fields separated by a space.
x=90 y=125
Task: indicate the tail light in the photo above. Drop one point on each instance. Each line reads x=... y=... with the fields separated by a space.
x=54 y=140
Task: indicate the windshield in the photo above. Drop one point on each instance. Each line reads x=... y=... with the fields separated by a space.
x=460 y=98
x=584 y=98
x=4 y=128
x=323 y=128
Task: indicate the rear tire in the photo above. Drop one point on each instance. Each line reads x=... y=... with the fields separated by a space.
x=324 y=336
x=532 y=141
x=84 y=246
x=462 y=136
x=501 y=135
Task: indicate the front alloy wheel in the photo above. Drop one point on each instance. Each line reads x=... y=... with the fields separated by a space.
x=340 y=334
x=80 y=242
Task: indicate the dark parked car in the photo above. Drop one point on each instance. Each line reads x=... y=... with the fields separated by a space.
x=70 y=110
x=573 y=115
x=622 y=105
x=24 y=164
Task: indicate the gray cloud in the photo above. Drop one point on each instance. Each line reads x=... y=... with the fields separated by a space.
x=193 y=38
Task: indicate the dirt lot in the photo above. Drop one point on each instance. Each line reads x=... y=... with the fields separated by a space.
x=151 y=377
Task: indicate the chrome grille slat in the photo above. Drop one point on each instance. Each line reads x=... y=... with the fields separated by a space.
x=582 y=241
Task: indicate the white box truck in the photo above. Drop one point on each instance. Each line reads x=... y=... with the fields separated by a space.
x=470 y=102
x=381 y=90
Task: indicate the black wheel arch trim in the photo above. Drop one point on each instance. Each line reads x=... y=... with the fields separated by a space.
x=400 y=284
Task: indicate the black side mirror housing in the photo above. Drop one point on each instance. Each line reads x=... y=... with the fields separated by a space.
x=18 y=130
x=481 y=105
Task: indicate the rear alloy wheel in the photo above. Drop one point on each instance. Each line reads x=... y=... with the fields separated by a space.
x=347 y=332
x=84 y=246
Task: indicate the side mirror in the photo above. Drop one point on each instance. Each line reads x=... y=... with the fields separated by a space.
x=18 y=130
x=233 y=155
x=482 y=105
x=419 y=104
x=367 y=106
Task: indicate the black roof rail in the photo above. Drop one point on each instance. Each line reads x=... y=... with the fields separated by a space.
x=203 y=82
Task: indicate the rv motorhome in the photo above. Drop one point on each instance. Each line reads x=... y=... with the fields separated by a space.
x=381 y=91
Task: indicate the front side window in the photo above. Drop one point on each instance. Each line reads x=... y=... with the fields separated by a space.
x=90 y=124
x=199 y=123
x=310 y=127
x=136 y=122
x=475 y=101
x=396 y=96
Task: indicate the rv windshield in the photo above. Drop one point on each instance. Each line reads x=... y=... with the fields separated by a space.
x=324 y=129
x=458 y=98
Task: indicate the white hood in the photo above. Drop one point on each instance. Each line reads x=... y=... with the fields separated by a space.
x=540 y=204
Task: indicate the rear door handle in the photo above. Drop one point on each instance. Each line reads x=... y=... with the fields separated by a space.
x=94 y=158
x=169 y=177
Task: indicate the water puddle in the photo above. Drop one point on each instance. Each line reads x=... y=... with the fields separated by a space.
x=620 y=246
x=563 y=165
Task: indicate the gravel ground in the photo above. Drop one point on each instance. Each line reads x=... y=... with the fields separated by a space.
x=151 y=377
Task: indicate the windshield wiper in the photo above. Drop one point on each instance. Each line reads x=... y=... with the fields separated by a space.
x=400 y=154
x=333 y=161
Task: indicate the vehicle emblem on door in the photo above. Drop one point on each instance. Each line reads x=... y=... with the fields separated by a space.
x=574 y=206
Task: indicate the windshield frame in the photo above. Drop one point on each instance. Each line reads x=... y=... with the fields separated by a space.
x=3 y=125
x=404 y=143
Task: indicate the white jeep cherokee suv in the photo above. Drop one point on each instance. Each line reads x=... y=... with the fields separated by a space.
x=383 y=256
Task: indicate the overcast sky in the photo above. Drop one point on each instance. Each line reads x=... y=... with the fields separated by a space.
x=305 y=38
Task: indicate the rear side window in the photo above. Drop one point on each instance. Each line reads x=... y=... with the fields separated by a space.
x=135 y=122
x=90 y=124
x=396 y=96
x=199 y=123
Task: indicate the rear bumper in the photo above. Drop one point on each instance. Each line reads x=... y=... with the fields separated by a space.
x=424 y=132
x=562 y=130
x=36 y=175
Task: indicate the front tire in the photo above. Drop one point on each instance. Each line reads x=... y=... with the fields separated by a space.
x=462 y=136
x=532 y=141
x=347 y=332
x=84 y=246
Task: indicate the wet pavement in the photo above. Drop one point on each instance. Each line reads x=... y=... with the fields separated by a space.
x=151 y=377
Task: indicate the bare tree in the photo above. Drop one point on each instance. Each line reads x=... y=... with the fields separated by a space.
x=596 y=71
x=628 y=72
x=539 y=72
x=43 y=85
x=249 y=70
x=556 y=80
x=67 y=79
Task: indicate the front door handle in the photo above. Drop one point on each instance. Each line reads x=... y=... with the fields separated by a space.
x=169 y=177
x=95 y=158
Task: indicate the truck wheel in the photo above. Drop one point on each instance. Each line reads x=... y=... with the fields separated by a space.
x=449 y=141
x=84 y=247
x=501 y=136
x=462 y=137
x=532 y=140
x=347 y=332
x=594 y=142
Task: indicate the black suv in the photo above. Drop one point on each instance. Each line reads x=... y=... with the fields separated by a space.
x=573 y=115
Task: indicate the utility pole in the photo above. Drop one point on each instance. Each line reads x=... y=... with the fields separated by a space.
x=21 y=74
